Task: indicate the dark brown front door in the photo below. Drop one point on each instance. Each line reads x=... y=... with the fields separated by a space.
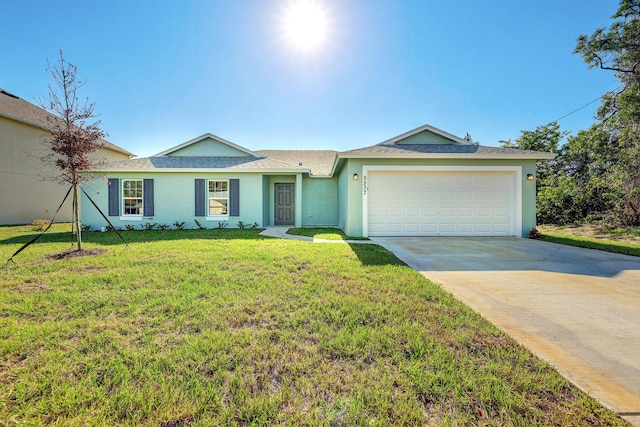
x=284 y=211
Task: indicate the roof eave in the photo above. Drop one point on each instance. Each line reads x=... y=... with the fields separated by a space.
x=484 y=156
x=26 y=122
x=197 y=170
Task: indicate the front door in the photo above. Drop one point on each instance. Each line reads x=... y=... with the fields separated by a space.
x=284 y=210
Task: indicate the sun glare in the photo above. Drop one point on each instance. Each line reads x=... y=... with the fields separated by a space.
x=305 y=24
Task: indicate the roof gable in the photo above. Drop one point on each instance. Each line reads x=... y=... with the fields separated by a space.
x=208 y=145
x=425 y=135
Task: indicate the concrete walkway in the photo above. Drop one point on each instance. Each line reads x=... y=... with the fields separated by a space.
x=579 y=309
x=281 y=232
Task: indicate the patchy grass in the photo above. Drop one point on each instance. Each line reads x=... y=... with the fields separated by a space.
x=623 y=241
x=326 y=233
x=226 y=327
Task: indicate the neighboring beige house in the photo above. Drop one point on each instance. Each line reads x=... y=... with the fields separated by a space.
x=25 y=193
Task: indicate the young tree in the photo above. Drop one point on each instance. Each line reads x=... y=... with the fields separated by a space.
x=72 y=138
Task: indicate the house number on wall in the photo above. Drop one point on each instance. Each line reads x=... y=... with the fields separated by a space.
x=364 y=185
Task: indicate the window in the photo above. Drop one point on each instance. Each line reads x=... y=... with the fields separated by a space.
x=132 y=200
x=218 y=198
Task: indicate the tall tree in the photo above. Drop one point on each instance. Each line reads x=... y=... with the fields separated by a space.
x=73 y=138
x=617 y=48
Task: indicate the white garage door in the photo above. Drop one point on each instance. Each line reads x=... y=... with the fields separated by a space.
x=438 y=203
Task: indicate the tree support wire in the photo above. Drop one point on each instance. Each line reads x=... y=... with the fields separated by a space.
x=6 y=264
x=104 y=216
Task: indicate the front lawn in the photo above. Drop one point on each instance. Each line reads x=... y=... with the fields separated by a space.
x=224 y=327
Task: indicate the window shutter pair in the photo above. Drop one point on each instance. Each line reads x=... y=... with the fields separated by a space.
x=114 y=197
x=201 y=197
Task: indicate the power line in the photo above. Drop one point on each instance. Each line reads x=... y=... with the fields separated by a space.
x=587 y=104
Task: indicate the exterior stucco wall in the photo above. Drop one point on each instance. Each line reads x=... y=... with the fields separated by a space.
x=174 y=200
x=25 y=195
x=353 y=224
x=319 y=202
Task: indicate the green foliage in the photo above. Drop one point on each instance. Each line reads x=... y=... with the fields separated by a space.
x=40 y=224
x=617 y=49
x=595 y=175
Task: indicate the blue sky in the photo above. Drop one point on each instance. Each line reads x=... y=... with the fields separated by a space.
x=164 y=72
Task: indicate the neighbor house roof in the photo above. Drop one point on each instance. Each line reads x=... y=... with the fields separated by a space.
x=15 y=108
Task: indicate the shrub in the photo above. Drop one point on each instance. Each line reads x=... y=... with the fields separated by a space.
x=164 y=227
x=129 y=227
x=534 y=233
x=148 y=226
x=86 y=227
x=40 y=224
x=179 y=225
x=222 y=224
x=200 y=226
x=241 y=225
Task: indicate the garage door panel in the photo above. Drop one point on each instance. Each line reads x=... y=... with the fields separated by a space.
x=429 y=228
x=411 y=211
x=441 y=203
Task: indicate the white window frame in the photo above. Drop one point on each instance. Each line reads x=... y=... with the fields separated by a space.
x=222 y=217
x=132 y=217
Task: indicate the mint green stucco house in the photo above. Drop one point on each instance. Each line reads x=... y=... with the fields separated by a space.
x=425 y=182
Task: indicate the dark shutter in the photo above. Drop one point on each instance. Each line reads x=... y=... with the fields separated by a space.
x=114 y=197
x=234 y=197
x=147 y=193
x=200 y=197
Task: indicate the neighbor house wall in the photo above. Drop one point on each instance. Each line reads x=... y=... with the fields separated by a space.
x=27 y=191
x=353 y=212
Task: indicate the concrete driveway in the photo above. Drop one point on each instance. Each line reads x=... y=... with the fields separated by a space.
x=579 y=309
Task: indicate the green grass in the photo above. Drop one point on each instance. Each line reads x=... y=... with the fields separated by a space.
x=617 y=246
x=226 y=327
x=326 y=233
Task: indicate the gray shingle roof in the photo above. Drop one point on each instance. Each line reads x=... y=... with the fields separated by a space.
x=199 y=162
x=320 y=162
x=315 y=162
x=424 y=150
x=20 y=110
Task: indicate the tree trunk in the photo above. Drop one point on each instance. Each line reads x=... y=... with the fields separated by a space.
x=76 y=216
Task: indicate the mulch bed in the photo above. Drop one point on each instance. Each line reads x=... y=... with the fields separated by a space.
x=77 y=254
